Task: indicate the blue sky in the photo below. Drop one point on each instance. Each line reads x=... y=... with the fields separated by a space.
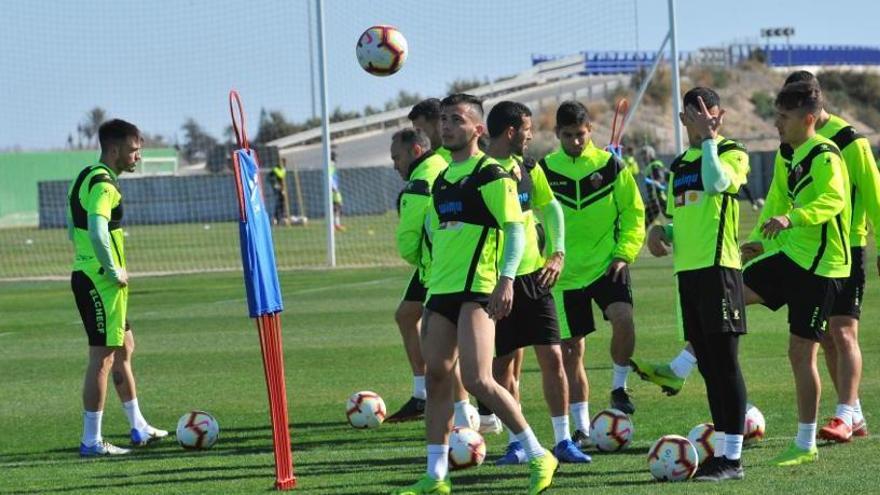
x=158 y=62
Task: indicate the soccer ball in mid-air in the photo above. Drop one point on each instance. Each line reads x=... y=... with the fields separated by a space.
x=672 y=458
x=365 y=409
x=705 y=440
x=755 y=425
x=197 y=430
x=611 y=430
x=381 y=50
x=466 y=448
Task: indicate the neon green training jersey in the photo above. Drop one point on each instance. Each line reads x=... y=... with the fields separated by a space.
x=95 y=192
x=603 y=211
x=705 y=225
x=534 y=193
x=472 y=200
x=813 y=190
x=855 y=150
x=413 y=205
x=444 y=153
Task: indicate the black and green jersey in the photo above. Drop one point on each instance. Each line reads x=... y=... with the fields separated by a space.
x=812 y=188
x=413 y=205
x=472 y=200
x=534 y=193
x=95 y=192
x=603 y=211
x=855 y=150
x=706 y=225
x=444 y=153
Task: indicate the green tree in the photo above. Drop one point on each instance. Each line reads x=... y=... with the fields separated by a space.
x=90 y=125
x=463 y=85
x=274 y=125
x=196 y=142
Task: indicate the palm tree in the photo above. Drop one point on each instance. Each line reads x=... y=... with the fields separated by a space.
x=92 y=122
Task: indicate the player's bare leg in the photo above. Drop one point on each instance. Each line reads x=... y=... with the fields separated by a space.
x=476 y=341
x=94 y=398
x=844 y=359
x=623 y=342
x=95 y=384
x=408 y=317
x=123 y=379
x=553 y=378
x=578 y=388
x=439 y=341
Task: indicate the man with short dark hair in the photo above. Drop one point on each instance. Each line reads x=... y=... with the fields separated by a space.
x=425 y=115
x=841 y=344
x=470 y=288
x=704 y=182
x=799 y=252
x=605 y=228
x=532 y=320
x=99 y=282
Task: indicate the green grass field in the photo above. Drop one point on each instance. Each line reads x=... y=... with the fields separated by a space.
x=196 y=349
x=368 y=240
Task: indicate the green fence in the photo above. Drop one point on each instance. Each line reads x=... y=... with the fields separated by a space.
x=21 y=172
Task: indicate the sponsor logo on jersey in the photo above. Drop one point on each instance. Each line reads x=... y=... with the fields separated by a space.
x=450 y=207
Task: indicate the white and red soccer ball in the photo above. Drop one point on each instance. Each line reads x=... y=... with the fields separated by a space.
x=197 y=430
x=754 y=425
x=382 y=50
x=672 y=458
x=466 y=448
x=611 y=430
x=704 y=439
x=365 y=410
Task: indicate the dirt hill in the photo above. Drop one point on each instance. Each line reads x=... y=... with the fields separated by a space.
x=740 y=89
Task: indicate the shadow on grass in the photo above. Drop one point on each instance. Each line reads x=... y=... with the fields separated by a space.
x=151 y=482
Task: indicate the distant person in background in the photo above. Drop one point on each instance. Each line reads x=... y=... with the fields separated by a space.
x=629 y=160
x=100 y=287
x=757 y=203
x=337 y=194
x=278 y=180
x=655 y=185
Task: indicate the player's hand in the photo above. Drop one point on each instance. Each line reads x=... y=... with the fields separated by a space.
x=501 y=300
x=706 y=124
x=617 y=270
x=775 y=225
x=552 y=268
x=752 y=250
x=658 y=243
x=120 y=276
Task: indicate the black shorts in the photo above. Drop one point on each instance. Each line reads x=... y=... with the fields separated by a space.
x=102 y=306
x=415 y=291
x=779 y=281
x=532 y=321
x=849 y=301
x=449 y=305
x=711 y=301
x=575 y=306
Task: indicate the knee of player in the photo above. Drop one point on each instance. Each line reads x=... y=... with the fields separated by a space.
x=476 y=384
x=801 y=351
x=844 y=332
x=620 y=315
x=405 y=316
